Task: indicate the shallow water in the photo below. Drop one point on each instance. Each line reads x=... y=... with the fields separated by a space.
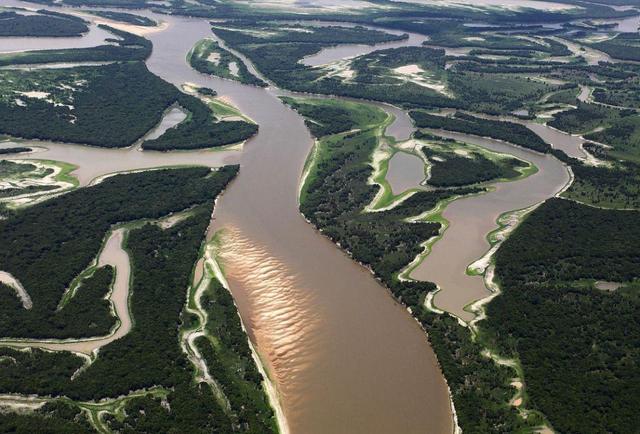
x=112 y=254
x=170 y=119
x=472 y=218
x=95 y=36
x=405 y=171
x=340 y=52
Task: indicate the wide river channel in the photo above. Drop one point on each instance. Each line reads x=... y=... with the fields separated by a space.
x=343 y=355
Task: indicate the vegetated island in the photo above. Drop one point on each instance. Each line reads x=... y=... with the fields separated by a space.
x=154 y=378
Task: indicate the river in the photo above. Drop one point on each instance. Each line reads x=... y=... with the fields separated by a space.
x=344 y=356
x=472 y=218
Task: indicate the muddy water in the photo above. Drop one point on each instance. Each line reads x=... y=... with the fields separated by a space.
x=171 y=118
x=405 y=171
x=471 y=219
x=343 y=355
x=112 y=254
x=593 y=57
x=570 y=144
x=95 y=36
x=347 y=51
x=94 y=162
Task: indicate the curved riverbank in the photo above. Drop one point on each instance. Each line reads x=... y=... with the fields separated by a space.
x=471 y=219
x=331 y=361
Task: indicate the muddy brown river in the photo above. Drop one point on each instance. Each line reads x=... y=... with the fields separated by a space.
x=343 y=355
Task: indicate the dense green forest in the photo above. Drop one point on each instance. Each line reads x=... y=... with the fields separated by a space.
x=126 y=47
x=578 y=345
x=334 y=200
x=111 y=106
x=501 y=130
x=14 y=150
x=72 y=228
x=201 y=129
x=449 y=169
x=42 y=24
x=279 y=55
x=149 y=357
x=52 y=418
x=617 y=186
x=624 y=46
x=125 y=17
x=231 y=363
x=619 y=128
x=209 y=57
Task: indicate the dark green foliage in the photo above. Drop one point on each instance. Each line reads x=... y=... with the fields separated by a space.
x=47 y=245
x=621 y=93
x=200 y=130
x=230 y=362
x=585 y=117
x=324 y=119
x=613 y=127
x=14 y=150
x=611 y=187
x=119 y=104
x=384 y=241
x=579 y=346
x=43 y=24
x=33 y=371
x=456 y=170
x=198 y=60
x=128 y=47
x=89 y=306
x=124 y=17
x=149 y=355
x=278 y=58
x=207 y=91
x=190 y=409
x=52 y=418
x=162 y=260
x=624 y=46
x=479 y=386
x=501 y=130
x=11 y=192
